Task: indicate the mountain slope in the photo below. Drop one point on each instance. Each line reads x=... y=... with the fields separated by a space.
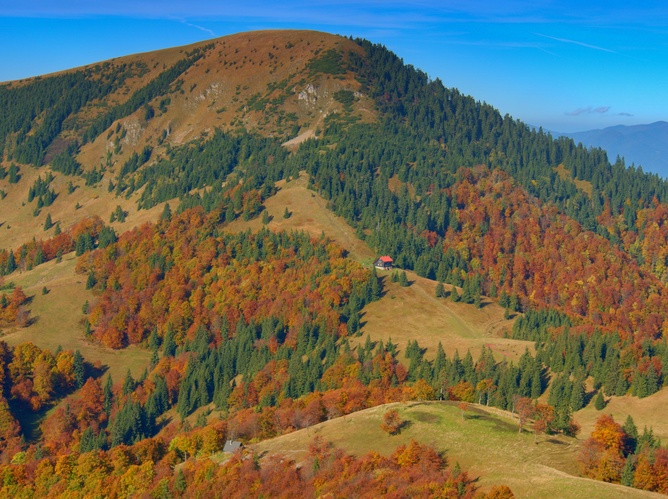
x=270 y=330
x=642 y=145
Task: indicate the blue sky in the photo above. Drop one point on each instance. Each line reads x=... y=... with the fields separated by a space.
x=565 y=65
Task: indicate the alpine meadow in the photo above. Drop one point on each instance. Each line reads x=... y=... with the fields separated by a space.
x=287 y=264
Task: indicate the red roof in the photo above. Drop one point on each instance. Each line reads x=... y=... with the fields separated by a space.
x=385 y=259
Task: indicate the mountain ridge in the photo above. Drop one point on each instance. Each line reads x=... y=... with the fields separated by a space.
x=642 y=145
x=249 y=330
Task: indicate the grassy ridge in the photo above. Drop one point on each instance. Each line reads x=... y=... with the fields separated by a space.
x=485 y=443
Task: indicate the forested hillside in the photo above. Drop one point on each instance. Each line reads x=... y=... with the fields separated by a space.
x=139 y=168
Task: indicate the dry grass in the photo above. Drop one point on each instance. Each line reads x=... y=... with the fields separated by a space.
x=18 y=225
x=486 y=444
x=310 y=214
x=647 y=411
x=414 y=313
x=402 y=314
x=57 y=318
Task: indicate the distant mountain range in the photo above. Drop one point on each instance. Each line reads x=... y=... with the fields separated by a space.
x=642 y=145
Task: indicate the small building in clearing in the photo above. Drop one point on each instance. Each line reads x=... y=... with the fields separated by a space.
x=383 y=263
x=232 y=446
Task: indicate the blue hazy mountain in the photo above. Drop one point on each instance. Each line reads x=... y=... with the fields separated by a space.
x=642 y=145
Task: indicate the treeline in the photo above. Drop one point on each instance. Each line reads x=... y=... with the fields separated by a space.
x=468 y=133
x=35 y=112
x=205 y=165
x=621 y=454
x=617 y=365
x=81 y=237
x=161 y=85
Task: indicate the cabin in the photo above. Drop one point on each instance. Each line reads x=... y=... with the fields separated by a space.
x=383 y=263
x=232 y=446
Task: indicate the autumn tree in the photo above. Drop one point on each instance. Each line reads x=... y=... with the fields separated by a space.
x=392 y=422
x=524 y=409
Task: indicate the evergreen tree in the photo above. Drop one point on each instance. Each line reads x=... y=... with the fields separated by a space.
x=628 y=472
x=169 y=345
x=403 y=279
x=599 y=401
x=166 y=213
x=287 y=213
x=230 y=214
x=79 y=370
x=454 y=295
x=91 y=281
x=57 y=230
x=48 y=223
x=577 y=396
x=631 y=431
x=108 y=395
x=440 y=290
x=13 y=174
x=128 y=384
x=11 y=263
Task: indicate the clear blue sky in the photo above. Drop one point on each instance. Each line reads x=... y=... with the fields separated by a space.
x=565 y=65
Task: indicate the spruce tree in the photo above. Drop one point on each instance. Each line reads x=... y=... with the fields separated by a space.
x=48 y=223
x=628 y=473
x=403 y=279
x=10 y=266
x=440 y=290
x=128 y=383
x=79 y=370
x=631 y=431
x=91 y=281
x=599 y=401
x=169 y=345
x=166 y=213
x=108 y=395
x=230 y=214
x=577 y=396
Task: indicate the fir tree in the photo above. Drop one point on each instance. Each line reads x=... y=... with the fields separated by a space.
x=403 y=279
x=440 y=290
x=166 y=213
x=108 y=395
x=10 y=266
x=169 y=345
x=128 y=383
x=631 y=431
x=628 y=472
x=577 y=396
x=91 y=281
x=599 y=401
x=48 y=223
x=79 y=370
x=454 y=295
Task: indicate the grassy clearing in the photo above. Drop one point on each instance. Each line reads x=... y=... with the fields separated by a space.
x=308 y=213
x=414 y=313
x=402 y=314
x=486 y=444
x=645 y=412
x=57 y=318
